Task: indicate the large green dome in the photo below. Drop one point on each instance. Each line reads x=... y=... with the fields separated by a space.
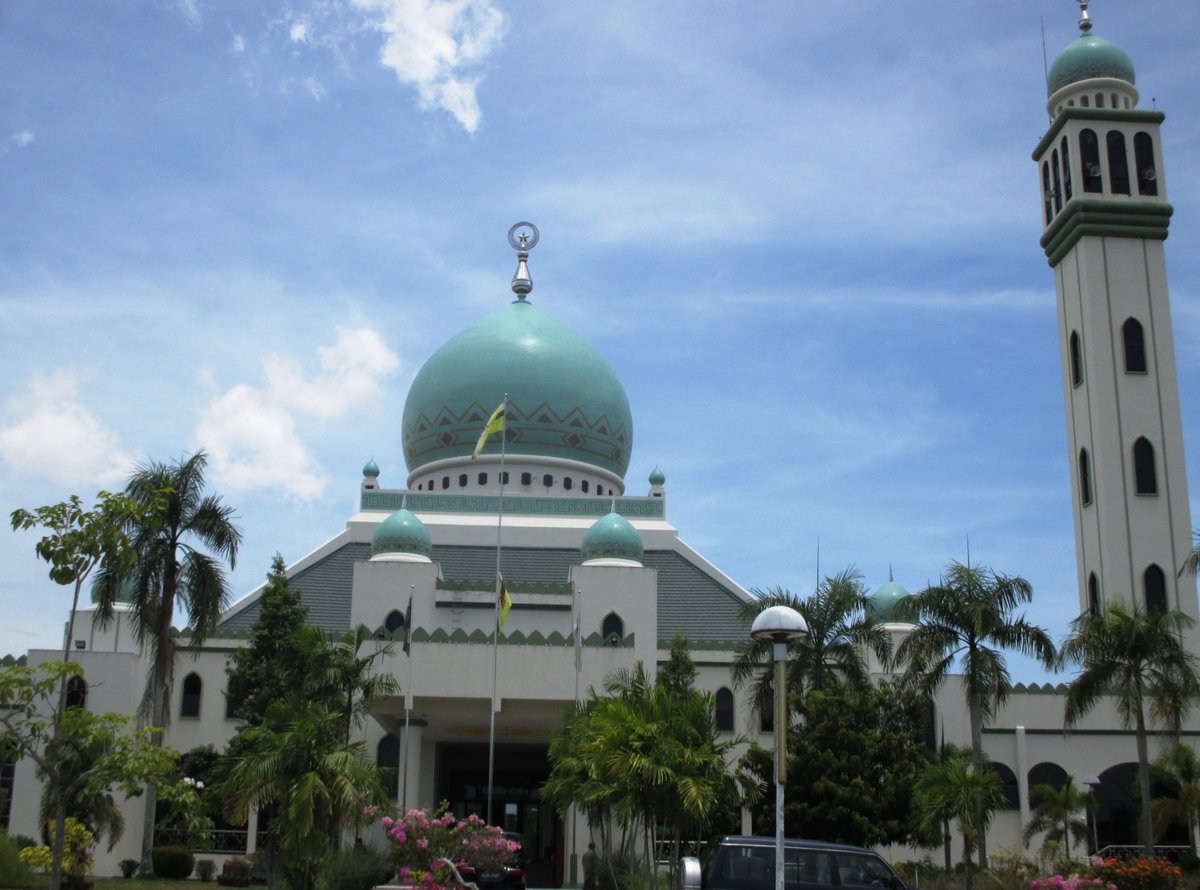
x=564 y=399
x=1088 y=57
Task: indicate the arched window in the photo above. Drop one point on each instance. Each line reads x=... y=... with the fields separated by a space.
x=1085 y=478
x=189 y=701
x=1008 y=786
x=527 y=478
x=1118 y=163
x=77 y=692
x=483 y=478
x=387 y=758
x=1154 y=587
x=1076 y=357
x=612 y=629
x=766 y=719
x=724 y=707
x=1099 y=100
x=1093 y=595
x=504 y=478
x=1085 y=102
x=394 y=621
x=1143 y=158
x=462 y=480
x=1057 y=181
x=583 y=486
x=548 y=480
x=1089 y=157
x=1134 y=340
x=1046 y=773
x=445 y=482
x=1066 y=168
x=1144 y=474
x=568 y=483
x=1047 y=193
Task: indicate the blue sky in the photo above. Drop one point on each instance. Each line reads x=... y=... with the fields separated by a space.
x=803 y=233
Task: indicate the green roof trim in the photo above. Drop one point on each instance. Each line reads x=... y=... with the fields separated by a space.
x=524 y=505
x=1104 y=217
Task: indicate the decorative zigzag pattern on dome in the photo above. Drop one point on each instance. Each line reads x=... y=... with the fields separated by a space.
x=542 y=430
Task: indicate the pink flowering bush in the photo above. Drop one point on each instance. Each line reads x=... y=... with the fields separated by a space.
x=1074 y=882
x=419 y=840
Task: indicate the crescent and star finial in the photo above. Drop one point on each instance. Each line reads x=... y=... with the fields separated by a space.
x=523 y=237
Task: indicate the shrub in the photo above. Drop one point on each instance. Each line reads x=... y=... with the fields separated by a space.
x=172 y=863
x=13 y=872
x=359 y=869
x=205 y=869
x=235 y=873
x=1189 y=863
x=617 y=872
x=129 y=867
x=1137 y=874
x=23 y=840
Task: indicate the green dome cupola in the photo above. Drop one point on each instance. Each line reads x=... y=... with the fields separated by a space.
x=564 y=400
x=1086 y=58
x=402 y=536
x=881 y=605
x=612 y=537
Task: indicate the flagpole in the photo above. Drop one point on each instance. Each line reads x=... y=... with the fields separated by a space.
x=496 y=621
x=575 y=643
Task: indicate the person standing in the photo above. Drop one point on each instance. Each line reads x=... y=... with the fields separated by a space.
x=589 y=867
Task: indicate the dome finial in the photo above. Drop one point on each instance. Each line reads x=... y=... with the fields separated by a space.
x=1085 y=21
x=522 y=237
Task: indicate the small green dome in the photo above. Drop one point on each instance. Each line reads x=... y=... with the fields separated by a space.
x=371 y=469
x=882 y=603
x=1088 y=57
x=565 y=400
x=656 y=476
x=612 y=537
x=402 y=532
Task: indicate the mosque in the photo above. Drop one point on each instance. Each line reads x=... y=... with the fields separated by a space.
x=600 y=579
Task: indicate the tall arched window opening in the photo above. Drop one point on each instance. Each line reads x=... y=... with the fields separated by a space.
x=1133 y=338
x=1089 y=158
x=1144 y=473
x=1143 y=157
x=77 y=693
x=1085 y=478
x=189 y=701
x=387 y=758
x=1066 y=169
x=724 y=708
x=612 y=629
x=1057 y=181
x=1118 y=163
x=1154 y=586
x=1076 y=356
x=1093 y=595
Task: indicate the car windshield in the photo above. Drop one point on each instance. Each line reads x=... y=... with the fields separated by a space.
x=746 y=867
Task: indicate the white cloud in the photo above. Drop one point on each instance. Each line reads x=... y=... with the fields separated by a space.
x=298 y=32
x=434 y=44
x=238 y=44
x=315 y=88
x=190 y=10
x=251 y=433
x=22 y=139
x=54 y=435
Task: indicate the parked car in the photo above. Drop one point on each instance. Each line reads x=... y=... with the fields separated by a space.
x=511 y=877
x=748 y=863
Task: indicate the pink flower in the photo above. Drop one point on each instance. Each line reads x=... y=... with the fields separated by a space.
x=422 y=842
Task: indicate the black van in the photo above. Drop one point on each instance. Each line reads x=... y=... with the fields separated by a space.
x=748 y=863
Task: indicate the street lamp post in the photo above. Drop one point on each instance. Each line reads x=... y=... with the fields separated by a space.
x=779 y=624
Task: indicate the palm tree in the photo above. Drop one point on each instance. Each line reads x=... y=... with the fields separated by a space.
x=968 y=618
x=168 y=571
x=297 y=764
x=1191 y=564
x=1179 y=770
x=954 y=787
x=341 y=675
x=1054 y=814
x=830 y=654
x=1138 y=659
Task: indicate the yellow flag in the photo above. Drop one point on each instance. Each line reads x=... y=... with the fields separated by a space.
x=495 y=424
x=505 y=603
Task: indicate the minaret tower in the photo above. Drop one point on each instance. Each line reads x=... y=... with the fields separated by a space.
x=1105 y=212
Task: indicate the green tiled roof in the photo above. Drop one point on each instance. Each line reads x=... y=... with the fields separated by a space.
x=689 y=601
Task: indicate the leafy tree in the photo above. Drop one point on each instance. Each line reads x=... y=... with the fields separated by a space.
x=298 y=764
x=1138 y=659
x=970 y=796
x=170 y=570
x=839 y=630
x=1178 y=770
x=77 y=754
x=968 y=618
x=341 y=672
x=1055 y=814
x=267 y=669
x=1191 y=563
x=641 y=754
x=852 y=768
